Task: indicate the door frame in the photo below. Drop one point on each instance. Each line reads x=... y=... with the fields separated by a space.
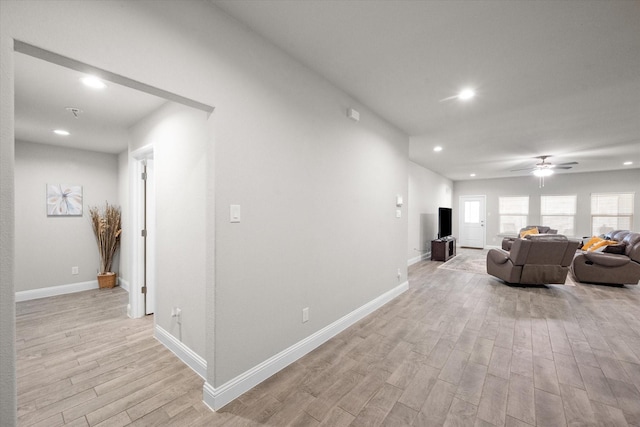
x=137 y=161
x=483 y=216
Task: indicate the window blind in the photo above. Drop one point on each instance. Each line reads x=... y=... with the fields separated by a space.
x=558 y=212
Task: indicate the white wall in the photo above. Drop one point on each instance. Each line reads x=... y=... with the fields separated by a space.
x=580 y=184
x=317 y=190
x=48 y=246
x=179 y=137
x=427 y=192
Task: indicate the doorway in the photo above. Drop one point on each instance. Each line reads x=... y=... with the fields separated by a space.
x=69 y=67
x=143 y=247
x=472 y=221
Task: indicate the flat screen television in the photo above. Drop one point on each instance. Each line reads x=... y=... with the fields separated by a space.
x=444 y=222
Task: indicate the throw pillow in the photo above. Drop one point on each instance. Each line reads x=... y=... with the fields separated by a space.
x=533 y=230
x=600 y=246
x=592 y=241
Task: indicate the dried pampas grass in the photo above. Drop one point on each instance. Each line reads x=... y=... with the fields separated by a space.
x=107 y=227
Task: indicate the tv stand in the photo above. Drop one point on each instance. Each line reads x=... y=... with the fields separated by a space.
x=443 y=249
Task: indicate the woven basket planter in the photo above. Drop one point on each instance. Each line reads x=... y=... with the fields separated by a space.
x=107 y=280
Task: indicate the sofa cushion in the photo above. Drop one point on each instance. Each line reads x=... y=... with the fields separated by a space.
x=617 y=249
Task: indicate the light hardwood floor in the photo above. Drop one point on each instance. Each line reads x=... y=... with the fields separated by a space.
x=457 y=349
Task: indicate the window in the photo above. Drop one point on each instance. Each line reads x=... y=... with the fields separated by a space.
x=513 y=211
x=611 y=211
x=558 y=212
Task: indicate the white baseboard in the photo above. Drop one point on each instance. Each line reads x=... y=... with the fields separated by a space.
x=56 y=290
x=216 y=398
x=184 y=353
x=420 y=258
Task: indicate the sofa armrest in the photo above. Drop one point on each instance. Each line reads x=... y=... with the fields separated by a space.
x=607 y=260
x=498 y=256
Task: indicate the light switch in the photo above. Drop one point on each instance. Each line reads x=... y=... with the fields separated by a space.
x=234 y=213
x=398 y=213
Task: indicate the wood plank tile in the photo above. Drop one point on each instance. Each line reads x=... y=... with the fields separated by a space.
x=522 y=361
x=567 y=370
x=596 y=385
x=454 y=367
x=472 y=383
x=521 y=400
x=436 y=407
x=338 y=417
x=377 y=409
x=577 y=407
x=461 y=414
x=628 y=398
x=493 y=402
x=400 y=415
x=481 y=352
x=500 y=364
x=549 y=409
x=419 y=388
x=544 y=375
x=606 y=415
x=354 y=400
x=385 y=368
x=440 y=353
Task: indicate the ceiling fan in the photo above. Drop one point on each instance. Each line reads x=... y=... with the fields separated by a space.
x=544 y=168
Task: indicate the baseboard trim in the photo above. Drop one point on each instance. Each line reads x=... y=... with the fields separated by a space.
x=184 y=353
x=216 y=398
x=425 y=256
x=56 y=290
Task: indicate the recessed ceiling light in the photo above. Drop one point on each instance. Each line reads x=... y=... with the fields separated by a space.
x=472 y=174
x=61 y=132
x=627 y=163
x=437 y=148
x=466 y=94
x=93 y=82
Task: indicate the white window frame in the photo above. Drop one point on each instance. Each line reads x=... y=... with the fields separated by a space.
x=567 y=209
x=614 y=213
x=504 y=212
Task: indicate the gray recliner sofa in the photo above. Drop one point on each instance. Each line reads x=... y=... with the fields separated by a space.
x=617 y=265
x=534 y=260
x=507 y=242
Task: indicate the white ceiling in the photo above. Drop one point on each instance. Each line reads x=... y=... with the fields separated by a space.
x=42 y=92
x=558 y=78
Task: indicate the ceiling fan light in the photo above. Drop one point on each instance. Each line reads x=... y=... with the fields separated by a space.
x=543 y=172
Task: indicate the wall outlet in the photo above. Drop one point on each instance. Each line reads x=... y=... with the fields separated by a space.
x=399 y=273
x=177 y=313
x=305 y=314
x=74 y=270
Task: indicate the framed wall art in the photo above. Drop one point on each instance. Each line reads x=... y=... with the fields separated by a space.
x=64 y=200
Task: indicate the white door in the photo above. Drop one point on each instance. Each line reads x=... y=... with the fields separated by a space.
x=472 y=218
x=143 y=230
x=150 y=244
